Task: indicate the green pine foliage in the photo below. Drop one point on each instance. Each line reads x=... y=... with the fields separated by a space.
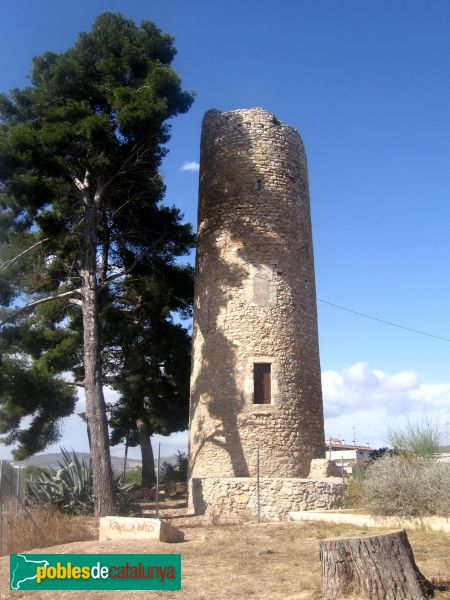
x=86 y=139
x=133 y=476
x=152 y=377
x=177 y=472
x=31 y=390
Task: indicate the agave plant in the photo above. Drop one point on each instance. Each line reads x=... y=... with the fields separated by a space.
x=70 y=488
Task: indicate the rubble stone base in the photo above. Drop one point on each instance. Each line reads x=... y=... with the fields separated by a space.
x=226 y=498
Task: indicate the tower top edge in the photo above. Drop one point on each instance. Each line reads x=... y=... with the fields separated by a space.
x=250 y=113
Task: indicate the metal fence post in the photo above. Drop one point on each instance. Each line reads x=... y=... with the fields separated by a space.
x=17 y=490
x=1 y=507
x=157 y=480
x=343 y=481
x=258 y=507
x=125 y=455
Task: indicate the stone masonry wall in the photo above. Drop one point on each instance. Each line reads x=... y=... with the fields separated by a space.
x=223 y=499
x=254 y=302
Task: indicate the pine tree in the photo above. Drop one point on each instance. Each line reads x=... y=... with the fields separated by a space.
x=153 y=382
x=80 y=196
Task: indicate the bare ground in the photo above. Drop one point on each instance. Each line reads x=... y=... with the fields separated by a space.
x=276 y=562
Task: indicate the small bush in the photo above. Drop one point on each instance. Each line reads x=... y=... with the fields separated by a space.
x=354 y=489
x=35 y=471
x=406 y=485
x=379 y=453
x=176 y=472
x=133 y=475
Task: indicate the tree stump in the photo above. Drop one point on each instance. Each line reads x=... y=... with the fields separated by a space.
x=379 y=567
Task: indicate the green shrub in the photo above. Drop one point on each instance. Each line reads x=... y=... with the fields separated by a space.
x=32 y=471
x=176 y=472
x=406 y=485
x=354 y=488
x=133 y=476
x=379 y=453
x=70 y=488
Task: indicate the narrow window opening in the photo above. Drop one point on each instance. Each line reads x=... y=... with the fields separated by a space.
x=258 y=184
x=261 y=383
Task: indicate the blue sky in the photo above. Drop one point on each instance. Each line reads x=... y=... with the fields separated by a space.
x=367 y=85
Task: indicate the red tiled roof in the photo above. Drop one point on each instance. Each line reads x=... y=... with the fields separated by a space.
x=335 y=446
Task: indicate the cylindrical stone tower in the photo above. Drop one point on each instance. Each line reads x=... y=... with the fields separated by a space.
x=256 y=372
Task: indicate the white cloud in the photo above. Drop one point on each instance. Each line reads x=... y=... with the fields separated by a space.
x=368 y=399
x=190 y=166
x=434 y=395
x=360 y=387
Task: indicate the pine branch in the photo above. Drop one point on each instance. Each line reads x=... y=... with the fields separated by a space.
x=76 y=301
x=136 y=261
x=36 y=303
x=15 y=259
x=136 y=156
x=83 y=187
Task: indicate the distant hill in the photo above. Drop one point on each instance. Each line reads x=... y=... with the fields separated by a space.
x=51 y=460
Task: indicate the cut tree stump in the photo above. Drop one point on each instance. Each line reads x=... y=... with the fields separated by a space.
x=379 y=567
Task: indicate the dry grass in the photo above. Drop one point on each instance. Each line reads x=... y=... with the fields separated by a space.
x=43 y=527
x=280 y=562
x=432 y=554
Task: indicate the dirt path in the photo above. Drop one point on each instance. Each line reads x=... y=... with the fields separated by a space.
x=276 y=562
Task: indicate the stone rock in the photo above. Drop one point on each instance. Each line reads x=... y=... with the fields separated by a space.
x=137 y=528
x=321 y=468
x=174 y=489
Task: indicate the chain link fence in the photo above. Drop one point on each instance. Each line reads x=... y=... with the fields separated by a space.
x=12 y=486
x=13 y=489
x=171 y=484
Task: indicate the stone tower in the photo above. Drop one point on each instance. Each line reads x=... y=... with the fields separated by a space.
x=255 y=372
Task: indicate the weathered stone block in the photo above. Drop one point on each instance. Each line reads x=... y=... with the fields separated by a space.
x=118 y=528
x=321 y=467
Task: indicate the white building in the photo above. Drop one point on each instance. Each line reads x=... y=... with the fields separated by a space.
x=444 y=454
x=348 y=454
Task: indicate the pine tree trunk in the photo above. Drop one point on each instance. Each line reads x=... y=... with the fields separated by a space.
x=88 y=431
x=379 y=567
x=95 y=404
x=148 y=461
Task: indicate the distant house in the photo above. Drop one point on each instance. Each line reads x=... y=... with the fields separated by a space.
x=444 y=454
x=348 y=454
